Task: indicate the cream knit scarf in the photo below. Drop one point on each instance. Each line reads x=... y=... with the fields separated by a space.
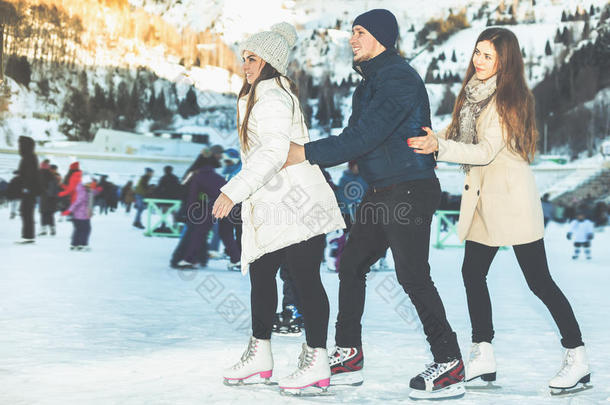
x=478 y=95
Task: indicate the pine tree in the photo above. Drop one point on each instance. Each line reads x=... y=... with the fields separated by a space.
x=557 y=36
x=325 y=103
x=586 y=30
x=77 y=120
x=83 y=83
x=98 y=103
x=189 y=107
x=563 y=16
x=566 y=36
x=547 y=49
x=446 y=106
x=453 y=57
x=122 y=100
x=152 y=100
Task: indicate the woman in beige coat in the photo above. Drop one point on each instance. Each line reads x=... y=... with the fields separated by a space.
x=493 y=135
x=286 y=212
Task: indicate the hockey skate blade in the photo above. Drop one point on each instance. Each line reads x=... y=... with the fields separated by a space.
x=453 y=391
x=288 y=334
x=353 y=379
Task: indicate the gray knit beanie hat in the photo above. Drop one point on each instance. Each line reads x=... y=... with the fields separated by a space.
x=272 y=46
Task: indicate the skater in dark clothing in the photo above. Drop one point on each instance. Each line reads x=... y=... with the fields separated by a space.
x=493 y=135
x=128 y=196
x=203 y=185
x=290 y=320
x=389 y=105
x=29 y=179
x=169 y=188
x=48 y=199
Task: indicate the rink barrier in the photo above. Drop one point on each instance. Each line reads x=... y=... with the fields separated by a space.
x=159 y=212
x=445 y=228
x=445 y=217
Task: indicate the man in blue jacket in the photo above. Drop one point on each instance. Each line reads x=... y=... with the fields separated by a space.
x=389 y=106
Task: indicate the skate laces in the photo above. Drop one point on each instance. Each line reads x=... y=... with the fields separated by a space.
x=339 y=355
x=433 y=370
x=248 y=354
x=568 y=360
x=306 y=359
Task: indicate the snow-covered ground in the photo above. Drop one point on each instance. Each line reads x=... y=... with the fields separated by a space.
x=117 y=326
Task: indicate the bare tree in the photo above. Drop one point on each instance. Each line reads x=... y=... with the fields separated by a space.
x=8 y=17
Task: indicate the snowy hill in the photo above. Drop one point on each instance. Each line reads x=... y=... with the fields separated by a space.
x=322 y=54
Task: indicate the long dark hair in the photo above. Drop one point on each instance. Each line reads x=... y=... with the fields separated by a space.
x=267 y=72
x=514 y=100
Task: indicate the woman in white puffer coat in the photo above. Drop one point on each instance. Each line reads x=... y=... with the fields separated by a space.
x=286 y=212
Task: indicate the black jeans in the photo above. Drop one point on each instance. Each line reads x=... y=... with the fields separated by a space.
x=47 y=218
x=26 y=209
x=82 y=230
x=303 y=262
x=398 y=217
x=533 y=263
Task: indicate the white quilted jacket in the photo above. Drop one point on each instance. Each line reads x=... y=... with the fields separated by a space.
x=279 y=207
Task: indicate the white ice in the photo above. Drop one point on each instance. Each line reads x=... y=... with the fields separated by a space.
x=117 y=326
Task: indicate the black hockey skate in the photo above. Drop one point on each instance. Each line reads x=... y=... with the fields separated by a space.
x=346 y=366
x=289 y=322
x=439 y=381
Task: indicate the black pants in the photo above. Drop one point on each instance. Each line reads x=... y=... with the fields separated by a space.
x=303 y=263
x=226 y=231
x=533 y=263
x=82 y=231
x=26 y=209
x=400 y=218
x=47 y=218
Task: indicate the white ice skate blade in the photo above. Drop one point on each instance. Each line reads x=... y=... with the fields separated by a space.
x=310 y=391
x=558 y=392
x=453 y=391
x=483 y=387
x=354 y=378
x=253 y=380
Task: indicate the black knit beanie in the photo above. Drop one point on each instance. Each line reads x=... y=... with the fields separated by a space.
x=381 y=23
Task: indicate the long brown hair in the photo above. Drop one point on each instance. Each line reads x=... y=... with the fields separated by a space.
x=514 y=100
x=267 y=72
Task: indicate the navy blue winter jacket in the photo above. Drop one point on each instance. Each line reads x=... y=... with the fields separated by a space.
x=389 y=105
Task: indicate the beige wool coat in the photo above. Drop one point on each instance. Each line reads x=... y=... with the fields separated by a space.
x=500 y=201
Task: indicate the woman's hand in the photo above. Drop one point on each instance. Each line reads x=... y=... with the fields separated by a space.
x=424 y=144
x=222 y=206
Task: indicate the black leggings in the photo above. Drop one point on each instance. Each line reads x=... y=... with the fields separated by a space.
x=533 y=263
x=303 y=262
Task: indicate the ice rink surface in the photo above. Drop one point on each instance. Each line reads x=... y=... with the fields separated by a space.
x=116 y=325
